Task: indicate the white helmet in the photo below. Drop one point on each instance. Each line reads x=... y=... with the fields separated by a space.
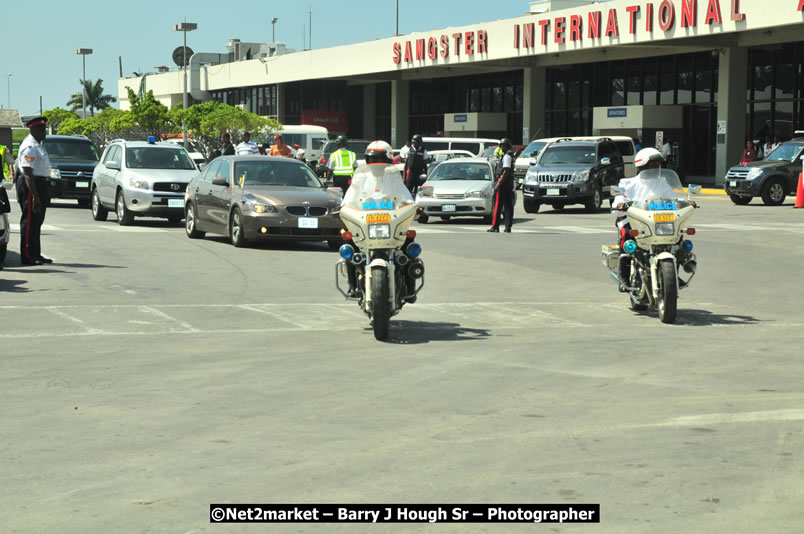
x=300 y=153
x=646 y=155
x=380 y=149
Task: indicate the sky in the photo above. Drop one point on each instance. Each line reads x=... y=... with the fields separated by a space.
x=40 y=55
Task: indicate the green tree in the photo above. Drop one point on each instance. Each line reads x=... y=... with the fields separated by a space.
x=58 y=115
x=95 y=97
x=149 y=114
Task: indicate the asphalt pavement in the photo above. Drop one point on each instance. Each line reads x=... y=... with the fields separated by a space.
x=145 y=375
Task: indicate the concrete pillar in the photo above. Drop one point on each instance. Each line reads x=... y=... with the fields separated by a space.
x=731 y=86
x=370 y=111
x=534 y=91
x=281 y=115
x=400 y=112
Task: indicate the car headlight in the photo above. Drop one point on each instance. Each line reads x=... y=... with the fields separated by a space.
x=425 y=191
x=55 y=174
x=476 y=194
x=754 y=173
x=138 y=183
x=665 y=228
x=379 y=231
x=580 y=176
x=259 y=207
x=531 y=176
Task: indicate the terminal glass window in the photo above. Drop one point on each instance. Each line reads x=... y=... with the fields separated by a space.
x=775 y=91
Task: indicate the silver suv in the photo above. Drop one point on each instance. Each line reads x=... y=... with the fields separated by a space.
x=138 y=178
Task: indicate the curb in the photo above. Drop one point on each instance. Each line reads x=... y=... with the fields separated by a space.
x=710 y=191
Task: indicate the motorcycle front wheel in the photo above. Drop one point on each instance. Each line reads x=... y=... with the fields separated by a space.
x=668 y=292
x=380 y=313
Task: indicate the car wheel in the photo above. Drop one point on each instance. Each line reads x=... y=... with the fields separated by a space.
x=189 y=224
x=558 y=206
x=773 y=194
x=83 y=202
x=593 y=204
x=124 y=216
x=531 y=206
x=175 y=218
x=423 y=218
x=740 y=201
x=446 y=217
x=99 y=213
x=236 y=233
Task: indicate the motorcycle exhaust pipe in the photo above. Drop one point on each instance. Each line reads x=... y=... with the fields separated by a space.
x=357 y=259
x=690 y=267
x=416 y=269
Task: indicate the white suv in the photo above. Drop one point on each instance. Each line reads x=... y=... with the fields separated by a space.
x=137 y=178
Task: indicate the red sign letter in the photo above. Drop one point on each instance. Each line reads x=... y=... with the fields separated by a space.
x=482 y=42
x=594 y=24
x=457 y=37
x=559 y=31
x=632 y=11
x=649 y=17
x=800 y=5
x=420 y=49
x=408 y=52
x=469 y=43
x=713 y=14
x=735 y=10
x=667 y=15
x=516 y=35
x=544 y=24
x=575 y=29
x=397 y=53
x=432 y=48
x=612 y=30
x=527 y=35
x=689 y=12
x=444 y=46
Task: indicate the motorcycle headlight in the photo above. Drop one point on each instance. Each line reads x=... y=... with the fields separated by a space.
x=259 y=207
x=138 y=183
x=630 y=246
x=754 y=173
x=580 y=176
x=665 y=228
x=379 y=231
x=55 y=174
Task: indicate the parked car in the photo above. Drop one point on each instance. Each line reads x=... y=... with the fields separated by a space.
x=523 y=161
x=457 y=188
x=138 y=178
x=436 y=157
x=571 y=171
x=475 y=145
x=358 y=146
x=255 y=198
x=72 y=162
x=192 y=149
x=773 y=178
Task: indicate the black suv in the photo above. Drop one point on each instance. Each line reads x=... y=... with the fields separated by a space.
x=72 y=162
x=773 y=178
x=573 y=171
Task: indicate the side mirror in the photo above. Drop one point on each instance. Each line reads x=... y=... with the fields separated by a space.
x=694 y=189
x=220 y=180
x=532 y=162
x=202 y=166
x=617 y=190
x=605 y=161
x=114 y=165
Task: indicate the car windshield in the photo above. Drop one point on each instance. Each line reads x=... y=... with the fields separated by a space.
x=60 y=149
x=533 y=149
x=785 y=152
x=461 y=171
x=155 y=157
x=275 y=173
x=562 y=155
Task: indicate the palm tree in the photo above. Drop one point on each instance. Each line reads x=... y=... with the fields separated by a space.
x=95 y=97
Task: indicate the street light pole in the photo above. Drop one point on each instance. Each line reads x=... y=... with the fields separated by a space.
x=84 y=52
x=273 y=29
x=185 y=27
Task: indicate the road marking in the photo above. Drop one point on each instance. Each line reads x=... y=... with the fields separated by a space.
x=793 y=414
x=149 y=309
x=583 y=229
x=275 y=315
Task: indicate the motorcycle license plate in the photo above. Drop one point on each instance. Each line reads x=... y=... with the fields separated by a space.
x=375 y=218
x=553 y=192
x=664 y=217
x=733 y=183
x=448 y=207
x=308 y=222
x=81 y=185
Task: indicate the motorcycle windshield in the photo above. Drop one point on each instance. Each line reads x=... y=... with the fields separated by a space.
x=377 y=187
x=654 y=185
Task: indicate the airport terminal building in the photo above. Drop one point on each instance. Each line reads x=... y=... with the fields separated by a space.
x=707 y=74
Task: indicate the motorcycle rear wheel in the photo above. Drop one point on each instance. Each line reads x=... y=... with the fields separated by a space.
x=668 y=292
x=380 y=312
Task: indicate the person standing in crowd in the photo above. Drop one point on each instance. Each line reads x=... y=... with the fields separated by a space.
x=7 y=163
x=749 y=153
x=341 y=165
x=280 y=149
x=247 y=147
x=33 y=192
x=776 y=143
x=504 y=188
x=227 y=148
x=415 y=164
x=404 y=152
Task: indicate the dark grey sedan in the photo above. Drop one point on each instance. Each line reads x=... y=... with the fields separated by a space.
x=773 y=178
x=251 y=198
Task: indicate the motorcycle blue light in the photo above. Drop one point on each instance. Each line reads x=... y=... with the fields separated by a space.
x=630 y=247
x=151 y=139
x=346 y=252
x=414 y=249
x=687 y=246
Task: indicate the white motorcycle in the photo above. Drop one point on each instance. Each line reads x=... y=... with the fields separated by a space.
x=657 y=246
x=380 y=247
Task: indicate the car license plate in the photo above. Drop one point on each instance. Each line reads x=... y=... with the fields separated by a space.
x=664 y=217
x=308 y=222
x=553 y=192
x=82 y=185
x=175 y=203
x=733 y=183
x=448 y=207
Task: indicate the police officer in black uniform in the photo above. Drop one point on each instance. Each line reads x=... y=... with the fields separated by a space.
x=415 y=165
x=33 y=192
x=503 y=202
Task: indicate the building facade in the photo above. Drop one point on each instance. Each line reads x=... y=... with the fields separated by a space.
x=707 y=74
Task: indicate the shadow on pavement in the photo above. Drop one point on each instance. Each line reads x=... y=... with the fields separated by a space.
x=707 y=318
x=420 y=332
x=13 y=286
x=278 y=245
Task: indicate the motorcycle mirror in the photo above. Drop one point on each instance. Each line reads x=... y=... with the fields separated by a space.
x=617 y=190
x=693 y=189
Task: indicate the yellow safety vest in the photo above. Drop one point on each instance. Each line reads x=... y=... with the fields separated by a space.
x=344 y=162
x=3 y=161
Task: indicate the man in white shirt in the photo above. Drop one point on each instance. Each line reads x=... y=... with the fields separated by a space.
x=247 y=147
x=33 y=192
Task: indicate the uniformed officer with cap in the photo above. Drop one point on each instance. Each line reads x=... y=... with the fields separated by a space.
x=33 y=192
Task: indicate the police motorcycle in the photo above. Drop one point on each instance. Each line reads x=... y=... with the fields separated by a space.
x=655 y=245
x=380 y=258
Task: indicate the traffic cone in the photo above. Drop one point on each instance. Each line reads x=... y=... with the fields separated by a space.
x=800 y=192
